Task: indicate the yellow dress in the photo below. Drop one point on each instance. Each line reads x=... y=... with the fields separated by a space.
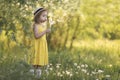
x=41 y=49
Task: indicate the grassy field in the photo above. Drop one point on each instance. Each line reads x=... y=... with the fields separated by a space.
x=88 y=60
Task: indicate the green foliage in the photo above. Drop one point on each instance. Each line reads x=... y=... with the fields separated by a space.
x=81 y=19
x=88 y=61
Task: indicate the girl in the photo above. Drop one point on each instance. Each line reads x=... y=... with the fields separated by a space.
x=41 y=49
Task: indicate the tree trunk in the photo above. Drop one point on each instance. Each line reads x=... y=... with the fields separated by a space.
x=67 y=35
x=74 y=33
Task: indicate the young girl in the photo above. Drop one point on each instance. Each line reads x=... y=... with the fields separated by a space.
x=41 y=49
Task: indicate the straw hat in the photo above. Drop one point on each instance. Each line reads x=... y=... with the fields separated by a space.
x=38 y=11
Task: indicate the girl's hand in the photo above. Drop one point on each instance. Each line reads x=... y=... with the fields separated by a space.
x=48 y=30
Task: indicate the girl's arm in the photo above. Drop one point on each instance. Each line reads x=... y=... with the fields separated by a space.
x=37 y=34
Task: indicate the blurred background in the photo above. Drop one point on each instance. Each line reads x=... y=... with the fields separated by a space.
x=84 y=43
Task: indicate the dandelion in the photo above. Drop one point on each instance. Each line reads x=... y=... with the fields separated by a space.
x=100 y=71
x=67 y=72
x=82 y=65
x=110 y=65
x=57 y=66
x=86 y=65
x=88 y=74
x=61 y=75
x=71 y=75
x=51 y=69
x=51 y=22
x=63 y=72
x=78 y=67
x=93 y=72
x=75 y=64
x=84 y=70
x=76 y=72
x=26 y=6
x=50 y=64
x=107 y=76
x=18 y=4
x=58 y=74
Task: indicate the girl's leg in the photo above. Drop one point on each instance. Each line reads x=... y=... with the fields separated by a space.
x=38 y=71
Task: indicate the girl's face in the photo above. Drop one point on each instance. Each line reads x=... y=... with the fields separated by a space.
x=43 y=16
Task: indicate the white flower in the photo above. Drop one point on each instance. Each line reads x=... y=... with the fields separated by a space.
x=107 y=75
x=67 y=72
x=50 y=64
x=61 y=75
x=75 y=64
x=86 y=65
x=58 y=74
x=18 y=3
x=93 y=72
x=57 y=66
x=110 y=65
x=76 y=72
x=82 y=65
x=100 y=71
x=63 y=72
x=51 y=69
x=88 y=74
x=84 y=70
x=71 y=74
x=78 y=67
x=51 y=22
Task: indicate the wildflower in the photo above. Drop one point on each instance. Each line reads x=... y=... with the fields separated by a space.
x=82 y=65
x=51 y=69
x=57 y=66
x=75 y=64
x=18 y=4
x=84 y=70
x=61 y=75
x=86 y=65
x=50 y=64
x=51 y=22
x=76 y=72
x=107 y=75
x=110 y=65
x=78 y=67
x=93 y=72
x=63 y=72
x=100 y=71
x=67 y=72
x=71 y=75
x=58 y=74
x=88 y=74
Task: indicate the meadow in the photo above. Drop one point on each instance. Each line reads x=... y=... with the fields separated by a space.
x=88 y=60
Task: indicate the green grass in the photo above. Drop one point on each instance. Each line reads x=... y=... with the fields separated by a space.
x=89 y=60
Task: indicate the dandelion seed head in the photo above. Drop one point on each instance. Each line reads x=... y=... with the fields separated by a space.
x=100 y=71
x=75 y=64
x=107 y=75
